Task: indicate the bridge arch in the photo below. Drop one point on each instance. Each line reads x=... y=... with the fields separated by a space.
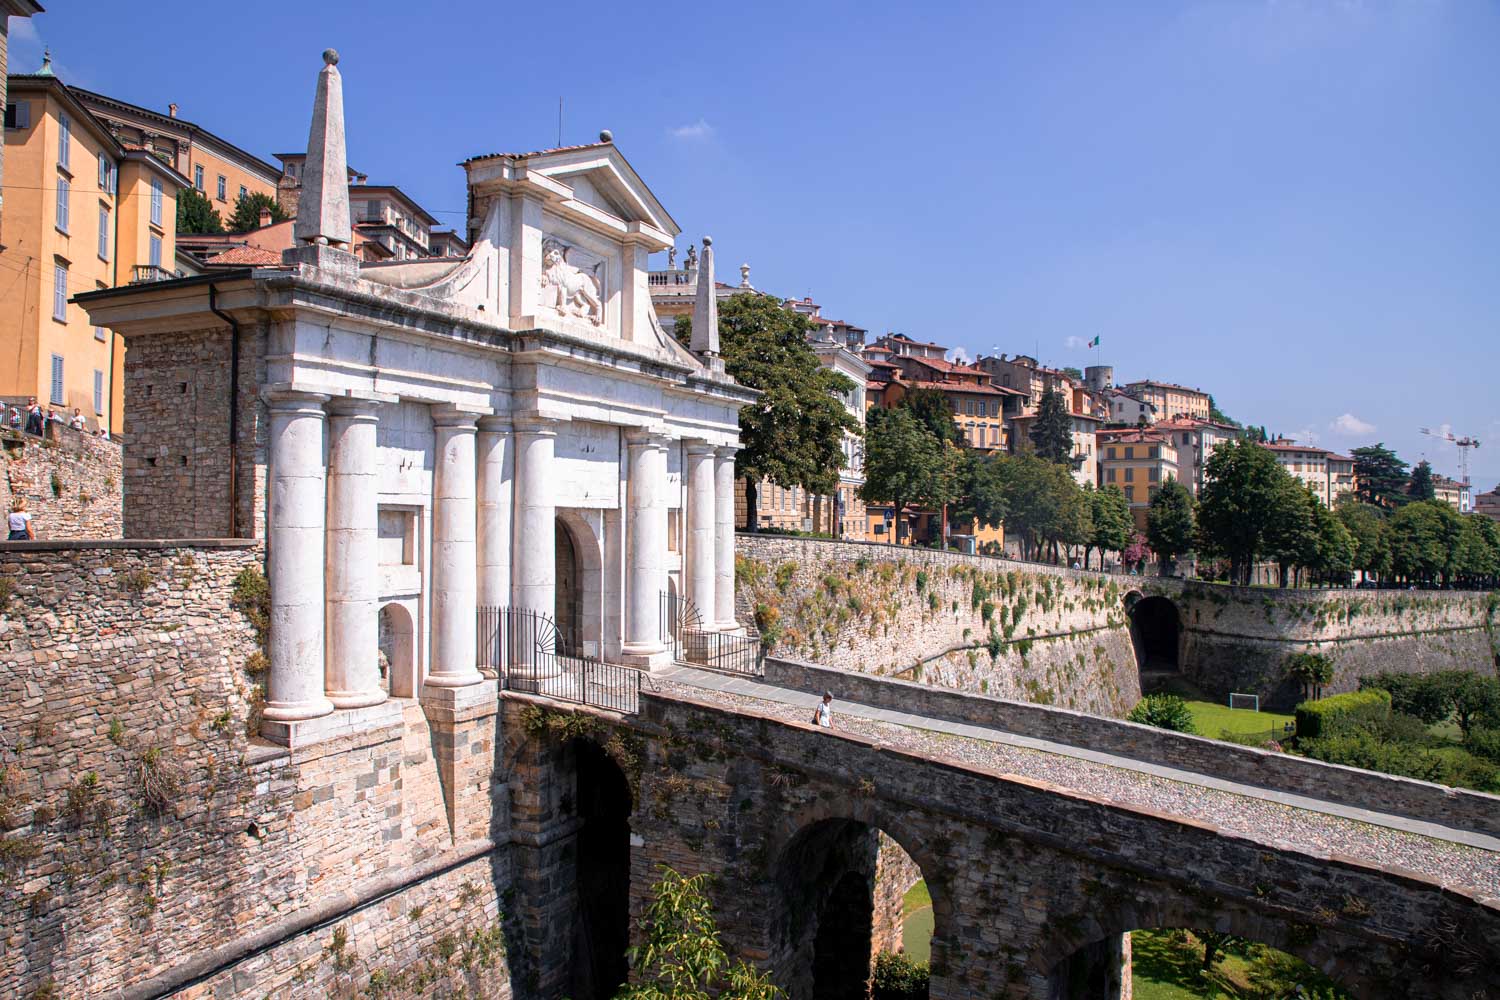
x=602 y=804
x=839 y=873
x=1083 y=958
x=1155 y=632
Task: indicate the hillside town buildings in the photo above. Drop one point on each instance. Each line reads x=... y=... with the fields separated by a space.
x=1172 y=400
x=1328 y=475
x=1137 y=461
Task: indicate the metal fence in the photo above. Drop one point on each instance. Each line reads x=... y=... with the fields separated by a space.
x=525 y=650
x=682 y=626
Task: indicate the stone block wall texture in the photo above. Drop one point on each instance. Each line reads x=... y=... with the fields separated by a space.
x=895 y=874
x=1238 y=638
x=150 y=846
x=1012 y=630
x=1455 y=807
x=70 y=481
x=178 y=464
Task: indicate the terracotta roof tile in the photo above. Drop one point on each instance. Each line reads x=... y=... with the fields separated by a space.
x=245 y=257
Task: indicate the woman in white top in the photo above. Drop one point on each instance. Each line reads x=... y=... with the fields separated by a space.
x=19 y=522
x=76 y=421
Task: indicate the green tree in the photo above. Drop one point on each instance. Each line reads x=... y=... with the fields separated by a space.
x=1424 y=540
x=247 y=209
x=1335 y=548
x=1110 y=518
x=1370 y=534
x=1164 y=711
x=1171 y=524
x=932 y=408
x=1477 y=561
x=1052 y=431
x=1046 y=507
x=681 y=956
x=983 y=485
x=1420 y=487
x=1380 y=475
x=1312 y=671
x=1218 y=416
x=905 y=463
x=1244 y=491
x=195 y=214
x=794 y=434
x=1076 y=374
x=1475 y=698
x=1291 y=534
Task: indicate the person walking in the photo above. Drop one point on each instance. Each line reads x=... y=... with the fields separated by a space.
x=19 y=522
x=823 y=714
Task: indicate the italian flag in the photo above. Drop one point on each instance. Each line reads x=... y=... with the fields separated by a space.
x=1094 y=342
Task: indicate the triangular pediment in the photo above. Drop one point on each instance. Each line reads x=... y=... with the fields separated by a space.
x=601 y=177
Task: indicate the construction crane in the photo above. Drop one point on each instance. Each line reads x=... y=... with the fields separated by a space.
x=1464 y=444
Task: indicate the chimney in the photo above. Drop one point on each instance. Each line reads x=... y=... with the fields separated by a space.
x=265 y=217
x=172 y=110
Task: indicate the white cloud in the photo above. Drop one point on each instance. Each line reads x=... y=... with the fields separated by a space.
x=1074 y=343
x=959 y=356
x=1349 y=425
x=1306 y=436
x=694 y=132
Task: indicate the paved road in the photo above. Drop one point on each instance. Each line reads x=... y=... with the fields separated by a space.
x=1456 y=857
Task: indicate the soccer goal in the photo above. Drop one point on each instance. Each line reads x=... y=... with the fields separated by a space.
x=1250 y=701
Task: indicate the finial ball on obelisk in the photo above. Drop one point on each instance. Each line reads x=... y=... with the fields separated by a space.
x=331 y=56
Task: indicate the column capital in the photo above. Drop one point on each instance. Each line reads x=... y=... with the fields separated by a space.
x=697 y=446
x=292 y=400
x=353 y=406
x=535 y=427
x=496 y=424
x=727 y=451
x=447 y=416
x=639 y=437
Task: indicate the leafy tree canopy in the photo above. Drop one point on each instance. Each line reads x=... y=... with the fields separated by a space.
x=1218 y=416
x=1111 y=521
x=1420 y=487
x=1052 y=431
x=1244 y=493
x=1171 y=522
x=246 y=217
x=932 y=408
x=1370 y=535
x=905 y=463
x=1380 y=474
x=195 y=214
x=1073 y=373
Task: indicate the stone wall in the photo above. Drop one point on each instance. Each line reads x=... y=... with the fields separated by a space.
x=70 y=481
x=1238 y=638
x=895 y=874
x=1454 y=807
x=178 y=464
x=1013 y=630
x=149 y=845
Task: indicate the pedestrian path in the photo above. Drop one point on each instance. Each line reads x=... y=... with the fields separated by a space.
x=743 y=687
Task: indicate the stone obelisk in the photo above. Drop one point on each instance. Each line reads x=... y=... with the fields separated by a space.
x=322 y=232
x=705 y=342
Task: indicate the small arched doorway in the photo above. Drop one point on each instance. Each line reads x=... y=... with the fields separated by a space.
x=569 y=599
x=398 y=673
x=1156 y=633
x=602 y=873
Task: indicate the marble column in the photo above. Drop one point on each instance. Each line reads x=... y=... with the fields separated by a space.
x=353 y=656
x=294 y=560
x=724 y=539
x=534 y=548
x=699 y=474
x=496 y=476
x=454 y=555
x=646 y=540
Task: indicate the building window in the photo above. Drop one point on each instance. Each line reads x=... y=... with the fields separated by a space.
x=1109 y=453
x=1155 y=476
x=103 y=233
x=1109 y=475
x=64 y=189
x=106 y=175
x=244 y=193
x=18 y=114
x=98 y=392
x=1155 y=452
x=1129 y=493
x=155 y=250
x=1129 y=451
x=198 y=177
x=156 y=201
x=99 y=334
x=57 y=380
x=1129 y=474
x=223 y=186
x=64 y=140
x=60 y=292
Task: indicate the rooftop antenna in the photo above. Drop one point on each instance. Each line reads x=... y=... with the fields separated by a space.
x=559 y=121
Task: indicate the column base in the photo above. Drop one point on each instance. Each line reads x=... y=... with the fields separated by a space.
x=335 y=725
x=297 y=711
x=730 y=627
x=456 y=704
x=453 y=680
x=357 y=699
x=646 y=655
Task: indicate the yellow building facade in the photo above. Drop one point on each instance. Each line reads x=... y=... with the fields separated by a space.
x=81 y=213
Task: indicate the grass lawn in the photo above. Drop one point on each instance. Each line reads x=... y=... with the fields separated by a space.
x=1216 y=720
x=916 y=934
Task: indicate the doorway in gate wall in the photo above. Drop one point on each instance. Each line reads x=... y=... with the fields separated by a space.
x=567 y=610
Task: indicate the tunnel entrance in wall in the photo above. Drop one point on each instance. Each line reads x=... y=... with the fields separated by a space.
x=841 y=885
x=602 y=872
x=568 y=601
x=1156 y=633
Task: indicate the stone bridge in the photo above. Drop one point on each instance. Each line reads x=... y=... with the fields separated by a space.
x=1034 y=882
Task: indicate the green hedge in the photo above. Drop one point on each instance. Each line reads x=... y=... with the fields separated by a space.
x=1324 y=716
x=899 y=978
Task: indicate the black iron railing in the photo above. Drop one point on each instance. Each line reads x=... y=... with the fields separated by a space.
x=682 y=626
x=527 y=653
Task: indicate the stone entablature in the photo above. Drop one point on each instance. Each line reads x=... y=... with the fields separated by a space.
x=416 y=441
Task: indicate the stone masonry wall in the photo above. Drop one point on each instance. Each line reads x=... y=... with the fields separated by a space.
x=1238 y=639
x=70 y=481
x=1013 y=630
x=895 y=874
x=177 y=466
x=149 y=845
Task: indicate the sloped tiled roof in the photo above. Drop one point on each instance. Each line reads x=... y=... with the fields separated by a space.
x=244 y=257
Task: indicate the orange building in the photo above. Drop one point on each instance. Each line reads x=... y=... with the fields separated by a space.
x=82 y=212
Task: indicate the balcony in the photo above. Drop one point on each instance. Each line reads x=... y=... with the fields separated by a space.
x=676 y=277
x=147 y=273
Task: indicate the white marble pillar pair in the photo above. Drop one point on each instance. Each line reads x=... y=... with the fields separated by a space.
x=710 y=528
x=322 y=545
x=646 y=544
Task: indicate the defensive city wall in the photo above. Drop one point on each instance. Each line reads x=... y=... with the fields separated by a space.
x=1078 y=639
x=69 y=480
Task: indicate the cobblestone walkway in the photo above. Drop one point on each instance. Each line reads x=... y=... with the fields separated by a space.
x=1455 y=857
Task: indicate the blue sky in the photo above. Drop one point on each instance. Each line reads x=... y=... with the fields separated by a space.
x=1294 y=205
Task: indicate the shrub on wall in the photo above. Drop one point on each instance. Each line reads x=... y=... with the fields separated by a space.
x=1164 y=711
x=1328 y=716
x=1358 y=748
x=899 y=978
